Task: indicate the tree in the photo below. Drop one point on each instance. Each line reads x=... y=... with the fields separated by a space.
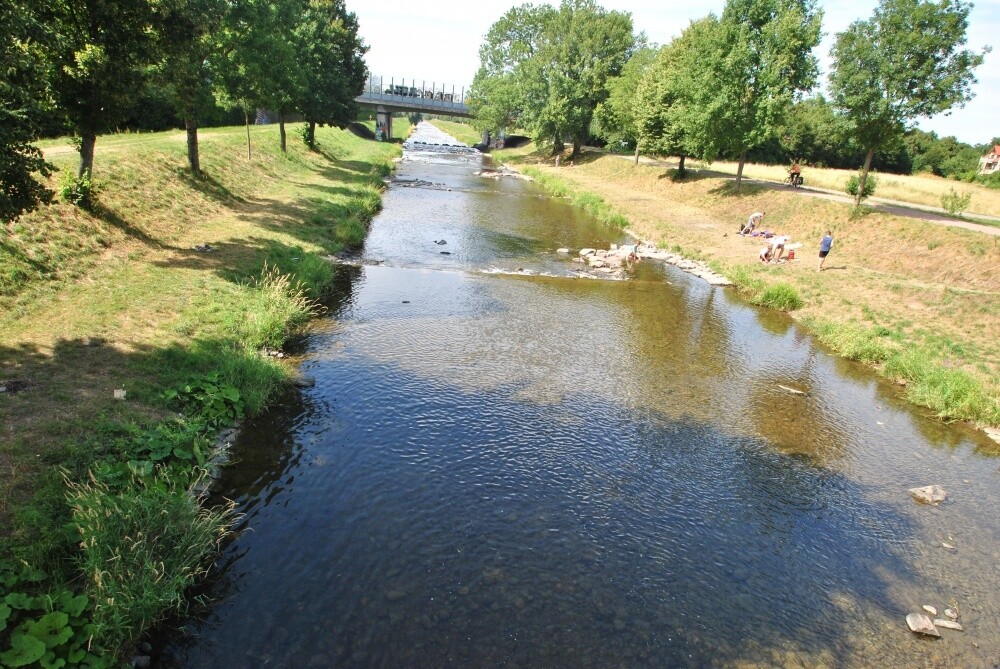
x=903 y=63
x=669 y=116
x=549 y=68
x=617 y=118
x=21 y=92
x=187 y=33
x=96 y=54
x=761 y=62
x=331 y=60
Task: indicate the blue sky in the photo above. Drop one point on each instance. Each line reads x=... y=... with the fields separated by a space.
x=440 y=42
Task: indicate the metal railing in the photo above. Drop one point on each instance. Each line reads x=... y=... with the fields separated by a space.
x=434 y=93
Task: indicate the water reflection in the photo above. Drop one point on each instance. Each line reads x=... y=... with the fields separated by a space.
x=514 y=471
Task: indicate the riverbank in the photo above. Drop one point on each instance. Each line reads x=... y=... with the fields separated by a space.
x=131 y=333
x=917 y=301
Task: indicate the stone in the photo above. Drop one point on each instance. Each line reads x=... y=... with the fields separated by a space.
x=948 y=624
x=587 y=252
x=394 y=595
x=929 y=609
x=993 y=433
x=562 y=250
x=921 y=624
x=120 y=394
x=305 y=382
x=931 y=494
x=146 y=648
x=950 y=613
x=142 y=661
x=463 y=590
x=950 y=547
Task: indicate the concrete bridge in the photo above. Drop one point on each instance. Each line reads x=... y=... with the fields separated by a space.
x=387 y=95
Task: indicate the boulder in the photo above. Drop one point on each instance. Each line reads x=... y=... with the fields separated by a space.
x=921 y=624
x=931 y=494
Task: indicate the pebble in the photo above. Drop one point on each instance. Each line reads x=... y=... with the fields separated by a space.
x=931 y=494
x=948 y=624
x=930 y=609
x=394 y=595
x=950 y=613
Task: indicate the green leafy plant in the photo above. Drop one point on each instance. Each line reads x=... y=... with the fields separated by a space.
x=954 y=202
x=208 y=398
x=77 y=190
x=45 y=630
x=853 y=183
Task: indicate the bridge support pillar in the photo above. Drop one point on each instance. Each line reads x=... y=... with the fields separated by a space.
x=383 y=122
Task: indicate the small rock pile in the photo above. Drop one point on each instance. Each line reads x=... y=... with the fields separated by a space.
x=611 y=261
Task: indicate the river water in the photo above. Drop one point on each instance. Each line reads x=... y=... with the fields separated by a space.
x=498 y=468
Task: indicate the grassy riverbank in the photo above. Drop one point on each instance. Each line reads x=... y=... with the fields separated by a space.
x=918 y=301
x=168 y=288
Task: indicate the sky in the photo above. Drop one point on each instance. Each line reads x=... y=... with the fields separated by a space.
x=439 y=42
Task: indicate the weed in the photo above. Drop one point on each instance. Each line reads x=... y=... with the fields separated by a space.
x=954 y=202
x=854 y=182
x=79 y=191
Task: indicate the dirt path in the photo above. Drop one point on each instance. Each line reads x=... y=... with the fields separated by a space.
x=931 y=214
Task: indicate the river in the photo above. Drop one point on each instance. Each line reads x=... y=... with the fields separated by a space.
x=504 y=464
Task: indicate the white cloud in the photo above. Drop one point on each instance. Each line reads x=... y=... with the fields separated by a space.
x=439 y=42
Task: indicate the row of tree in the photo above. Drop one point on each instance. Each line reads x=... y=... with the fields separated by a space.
x=87 y=62
x=728 y=84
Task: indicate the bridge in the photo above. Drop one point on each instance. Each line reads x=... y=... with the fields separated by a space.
x=387 y=95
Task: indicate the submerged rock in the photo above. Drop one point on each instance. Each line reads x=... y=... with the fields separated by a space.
x=921 y=624
x=931 y=494
x=948 y=624
x=950 y=613
x=929 y=609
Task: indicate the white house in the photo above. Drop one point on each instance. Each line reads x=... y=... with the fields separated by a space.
x=990 y=163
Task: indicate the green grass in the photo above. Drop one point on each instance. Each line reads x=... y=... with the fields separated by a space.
x=952 y=394
x=589 y=202
x=780 y=296
x=118 y=297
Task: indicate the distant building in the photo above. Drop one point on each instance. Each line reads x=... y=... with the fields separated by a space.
x=990 y=163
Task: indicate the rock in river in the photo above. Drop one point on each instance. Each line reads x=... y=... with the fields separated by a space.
x=950 y=624
x=921 y=624
x=931 y=494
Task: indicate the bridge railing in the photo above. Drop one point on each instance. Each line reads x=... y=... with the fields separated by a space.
x=392 y=88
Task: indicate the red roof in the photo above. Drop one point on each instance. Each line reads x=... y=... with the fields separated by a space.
x=995 y=151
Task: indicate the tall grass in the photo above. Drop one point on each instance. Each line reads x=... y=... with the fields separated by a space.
x=140 y=549
x=273 y=308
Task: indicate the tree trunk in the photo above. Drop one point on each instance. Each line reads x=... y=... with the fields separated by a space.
x=864 y=176
x=246 y=117
x=87 y=142
x=557 y=145
x=311 y=135
x=739 y=170
x=637 y=153
x=680 y=168
x=281 y=129
x=576 y=149
x=194 y=160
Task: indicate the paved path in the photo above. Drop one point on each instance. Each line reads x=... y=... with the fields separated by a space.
x=931 y=214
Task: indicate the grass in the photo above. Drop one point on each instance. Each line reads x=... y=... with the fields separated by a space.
x=589 y=202
x=463 y=132
x=922 y=189
x=126 y=296
x=892 y=284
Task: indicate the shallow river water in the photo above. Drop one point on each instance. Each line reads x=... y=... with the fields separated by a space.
x=502 y=469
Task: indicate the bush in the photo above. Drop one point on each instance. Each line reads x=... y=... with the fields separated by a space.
x=954 y=202
x=79 y=191
x=870 y=184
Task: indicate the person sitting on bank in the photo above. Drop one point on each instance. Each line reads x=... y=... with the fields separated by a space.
x=752 y=222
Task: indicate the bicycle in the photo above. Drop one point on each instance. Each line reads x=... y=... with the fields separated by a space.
x=794 y=180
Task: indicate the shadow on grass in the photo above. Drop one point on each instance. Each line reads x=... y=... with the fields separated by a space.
x=112 y=218
x=744 y=189
x=207 y=185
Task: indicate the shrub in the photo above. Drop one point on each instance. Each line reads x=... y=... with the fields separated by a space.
x=79 y=191
x=954 y=202
x=854 y=182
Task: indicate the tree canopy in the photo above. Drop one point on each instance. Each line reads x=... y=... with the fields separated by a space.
x=904 y=62
x=548 y=69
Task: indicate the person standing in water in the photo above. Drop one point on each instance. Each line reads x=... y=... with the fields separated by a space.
x=825 y=245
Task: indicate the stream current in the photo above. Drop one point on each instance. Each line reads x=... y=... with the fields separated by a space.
x=504 y=464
